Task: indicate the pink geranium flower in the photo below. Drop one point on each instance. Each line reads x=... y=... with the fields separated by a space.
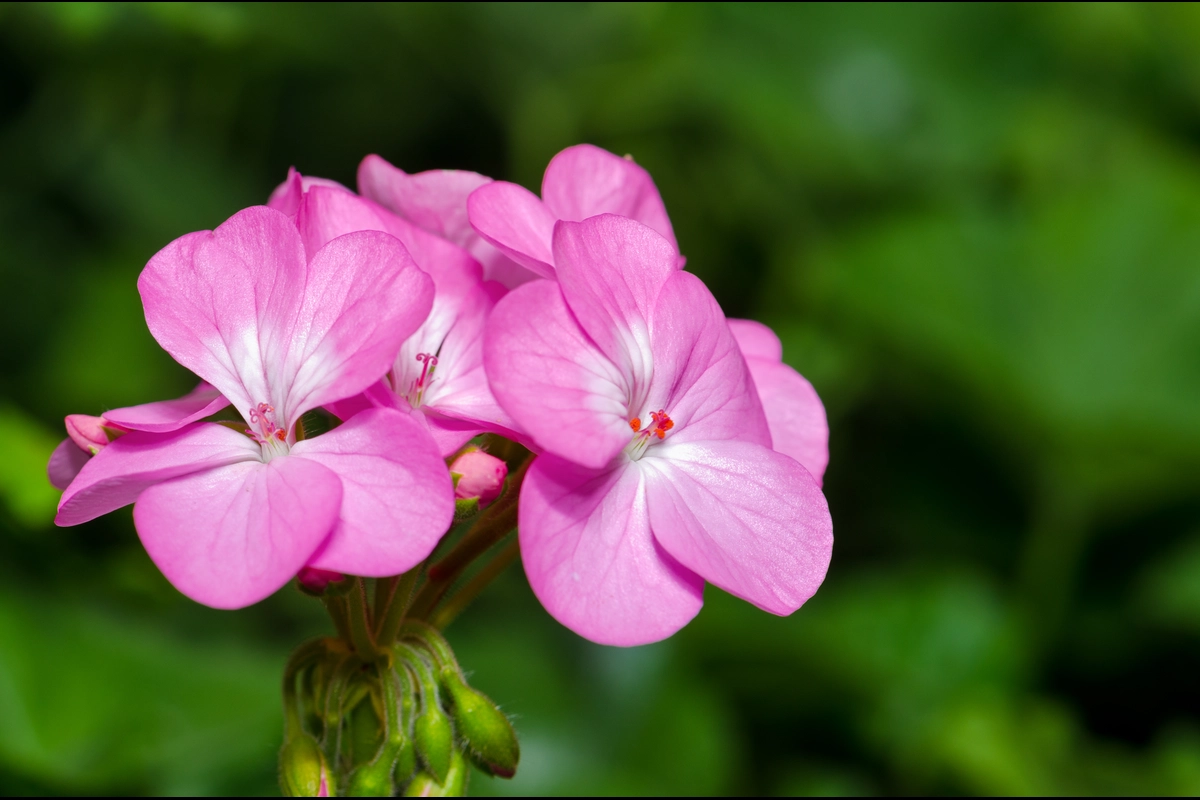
x=439 y=368
x=228 y=516
x=580 y=182
x=436 y=201
x=87 y=435
x=657 y=471
x=794 y=412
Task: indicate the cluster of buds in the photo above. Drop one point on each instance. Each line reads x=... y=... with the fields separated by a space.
x=402 y=720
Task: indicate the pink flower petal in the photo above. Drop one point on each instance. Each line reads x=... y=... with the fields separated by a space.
x=584 y=180
x=454 y=331
x=327 y=213
x=377 y=395
x=65 y=463
x=514 y=220
x=363 y=298
x=590 y=557
x=747 y=519
x=170 y=415
x=125 y=468
x=450 y=434
x=756 y=340
x=794 y=413
x=552 y=380
x=397 y=496
x=286 y=196
x=241 y=308
x=225 y=303
x=700 y=377
x=435 y=200
x=231 y=536
x=611 y=270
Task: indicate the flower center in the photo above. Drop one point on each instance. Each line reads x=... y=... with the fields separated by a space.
x=271 y=437
x=660 y=423
x=415 y=394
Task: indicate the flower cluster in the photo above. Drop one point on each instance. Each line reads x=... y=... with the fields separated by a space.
x=375 y=346
x=673 y=446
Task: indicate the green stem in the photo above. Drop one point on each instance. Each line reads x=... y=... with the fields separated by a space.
x=463 y=597
x=361 y=635
x=335 y=604
x=397 y=606
x=385 y=588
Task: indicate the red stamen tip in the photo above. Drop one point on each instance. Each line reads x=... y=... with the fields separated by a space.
x=636 y=424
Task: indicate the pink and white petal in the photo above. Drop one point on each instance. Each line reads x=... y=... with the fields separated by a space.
x=591 y=559
x=745 y=518
x=397 y=496
x=231 y=536
x=119 y=473
x=795 y=414
x=513 y=219
x=460 y=386
x=756 y=340
x=435 y=200
x=552 y=380
x=700 y=377
x=611 y=270
x=65 y=463
x=225 y=303
x=327 y=213
x=585 y=180
x=377 y=395
x=170 y=415
x=363 y=298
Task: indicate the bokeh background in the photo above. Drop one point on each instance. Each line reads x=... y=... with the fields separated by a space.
x=976 y=229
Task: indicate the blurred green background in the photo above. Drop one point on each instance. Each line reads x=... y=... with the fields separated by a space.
x=976 y=229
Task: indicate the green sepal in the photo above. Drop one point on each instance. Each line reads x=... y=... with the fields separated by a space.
x=455 y=477
x=464 y=509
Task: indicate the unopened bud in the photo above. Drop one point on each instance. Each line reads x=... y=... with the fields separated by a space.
x=92 y=434
x=314 y=581
x=455 y=785
x=482 y=476
x=487 y=732
x=434 y=737
x=302 y=768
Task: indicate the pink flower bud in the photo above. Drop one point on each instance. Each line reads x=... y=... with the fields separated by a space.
x=87 y=432
x=482 y=476
x=315 y=580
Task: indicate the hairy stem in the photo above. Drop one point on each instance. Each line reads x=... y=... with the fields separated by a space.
x=388 y=623
x=361 y=634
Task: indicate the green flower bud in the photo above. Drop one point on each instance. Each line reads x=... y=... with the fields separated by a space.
x=302 y=768
x=455 y=785
x=489 y=735
x=434 y=738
